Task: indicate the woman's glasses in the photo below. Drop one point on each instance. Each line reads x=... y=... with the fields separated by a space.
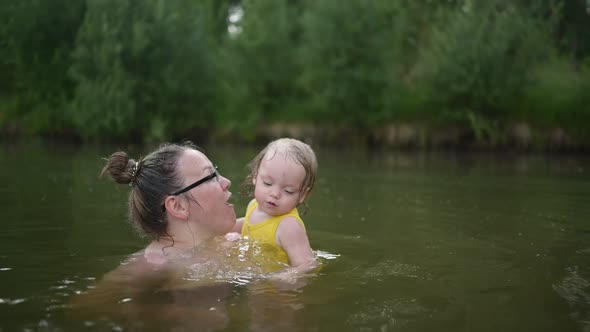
x=215 y=175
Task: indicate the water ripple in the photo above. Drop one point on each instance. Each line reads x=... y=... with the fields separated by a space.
x=387 y=314
x=575 y=290
x=391 y=268
x=11 y=301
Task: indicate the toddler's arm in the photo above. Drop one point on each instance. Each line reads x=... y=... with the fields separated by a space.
x=292 y=237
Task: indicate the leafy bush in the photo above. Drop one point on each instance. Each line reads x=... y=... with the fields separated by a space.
x=343 y=54
x=260 y=71
x=479 y=59
x=143 y=70
x=559 y=95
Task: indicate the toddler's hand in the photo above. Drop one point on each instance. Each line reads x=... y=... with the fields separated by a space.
x=284 y=277
x=287 y=280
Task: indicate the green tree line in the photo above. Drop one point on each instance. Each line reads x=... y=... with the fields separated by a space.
x=164 y=69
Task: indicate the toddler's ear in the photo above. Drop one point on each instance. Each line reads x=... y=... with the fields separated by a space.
x=303 y=196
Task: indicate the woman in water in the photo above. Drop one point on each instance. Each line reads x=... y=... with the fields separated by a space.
x=180 y=200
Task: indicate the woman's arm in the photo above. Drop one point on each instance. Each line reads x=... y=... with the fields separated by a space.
x=238 y=226
x=240 y=221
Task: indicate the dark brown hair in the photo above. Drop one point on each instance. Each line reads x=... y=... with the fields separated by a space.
x=151 y=179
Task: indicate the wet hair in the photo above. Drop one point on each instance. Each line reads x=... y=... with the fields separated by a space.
x=152 y=178
x=292 y=148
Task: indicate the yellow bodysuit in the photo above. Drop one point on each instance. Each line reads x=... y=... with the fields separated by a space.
x=264 y=234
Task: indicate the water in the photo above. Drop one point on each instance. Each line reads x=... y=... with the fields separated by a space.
x=408 y=242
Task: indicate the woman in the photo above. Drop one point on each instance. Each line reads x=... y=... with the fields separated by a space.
x=178 y=198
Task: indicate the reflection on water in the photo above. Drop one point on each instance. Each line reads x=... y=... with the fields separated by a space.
x=575 y=289
x=408 y=242
x=390 y=268
x=387 y=314
x=196 y=291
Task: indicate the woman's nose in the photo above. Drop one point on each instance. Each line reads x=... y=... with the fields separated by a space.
x=225 y=182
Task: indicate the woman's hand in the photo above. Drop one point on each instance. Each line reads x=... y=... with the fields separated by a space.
x=233 y=236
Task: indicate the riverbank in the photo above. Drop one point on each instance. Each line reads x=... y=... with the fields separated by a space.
x=518 y=136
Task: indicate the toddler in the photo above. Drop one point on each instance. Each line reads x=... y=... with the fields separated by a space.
x=282 y=176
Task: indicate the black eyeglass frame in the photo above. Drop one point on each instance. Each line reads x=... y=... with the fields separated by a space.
x=197 y=183
x=215 y=174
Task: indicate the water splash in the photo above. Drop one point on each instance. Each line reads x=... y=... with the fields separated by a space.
x=11 y=301
x=325 y=255
x=575 y=290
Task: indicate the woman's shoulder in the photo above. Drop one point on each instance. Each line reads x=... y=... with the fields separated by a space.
x=155 y=258
x=159 y=253
x=134 y=269
x=153 y=254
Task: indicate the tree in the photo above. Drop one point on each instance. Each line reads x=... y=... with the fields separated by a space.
x=260 y=69
x=480 y=59
x=143 y=70
x=344 y=53
x=37 y=37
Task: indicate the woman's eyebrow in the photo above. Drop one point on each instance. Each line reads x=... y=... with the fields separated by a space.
x=208 y=169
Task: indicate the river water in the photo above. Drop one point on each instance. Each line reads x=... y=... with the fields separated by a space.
x=408 y=241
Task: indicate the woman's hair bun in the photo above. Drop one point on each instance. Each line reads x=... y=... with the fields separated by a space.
x=119 y=167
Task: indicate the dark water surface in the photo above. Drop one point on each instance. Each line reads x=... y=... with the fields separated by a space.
x=408 y=242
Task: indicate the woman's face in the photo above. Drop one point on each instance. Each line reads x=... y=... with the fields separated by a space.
x=212 y=210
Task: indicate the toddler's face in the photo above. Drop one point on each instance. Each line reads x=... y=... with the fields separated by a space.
x=278 y=184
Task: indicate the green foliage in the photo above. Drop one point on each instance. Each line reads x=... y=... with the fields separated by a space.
x=163 y=70
x=404 y=34
x=37 y=37
x=216 y=17
x=142 y=70
x=574 y=28
x=485 y=130
x=343 y=56
x=481 y=58
x=102 y=104
x=259 y=66
x=559 y=95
